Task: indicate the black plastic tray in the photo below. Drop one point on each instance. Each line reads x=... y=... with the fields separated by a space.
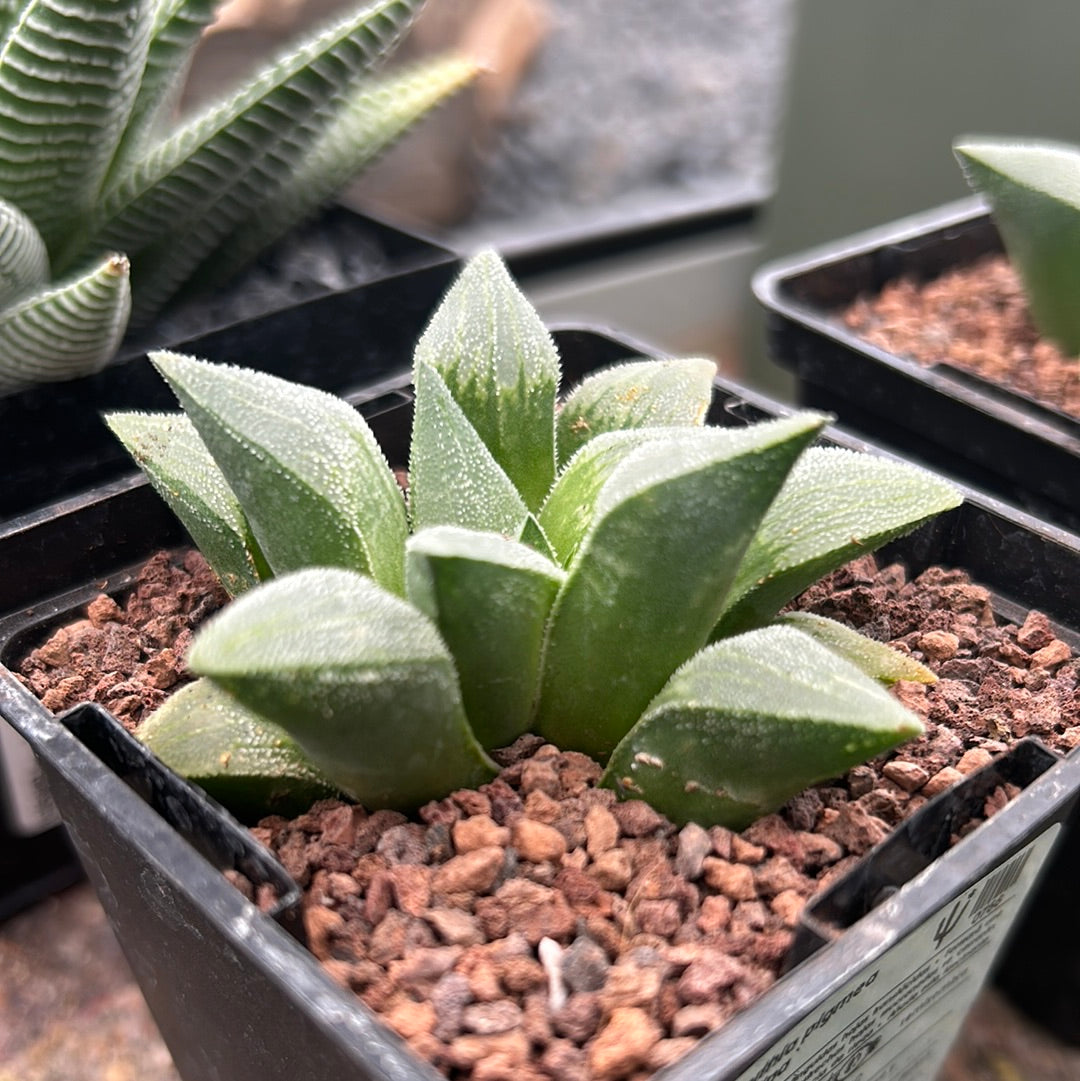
x=55 y=444
x=973 y=429
x=174 y=912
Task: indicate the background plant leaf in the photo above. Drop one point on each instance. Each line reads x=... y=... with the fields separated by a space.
x=1034 y=191
x=251 y=765
x=837 y=504
x=748 y=723
x=635 y=394
x=168 y=450
x=489 y=597
x=649 y=580
x=359 y=678
x=24 y=263
x=304 y=466
x=501 y=367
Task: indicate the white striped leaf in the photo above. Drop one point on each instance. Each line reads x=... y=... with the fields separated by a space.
x=69 y=74
x=169 y=451
x=650 y=577
x=378 y=114
x=748 y=723
x=635 y=394
x=490 y=598
x=837 y=504
x=304 y=466
x=67 y=331
x=24 y=263
x=358 y=677
x=248 y=763
x=501 y=367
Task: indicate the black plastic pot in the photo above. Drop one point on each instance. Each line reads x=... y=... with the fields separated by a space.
x=245 y=1001
x=998 y=440
x=55 y=444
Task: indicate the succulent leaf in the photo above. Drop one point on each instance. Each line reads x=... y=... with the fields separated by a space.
x=69 y=73
x=376 y=116
x=169 y=451
x=636 y=394
x=875 y=659
x=500 y=366
x=453 y=477
x=303 y=465
x=749 y=722
x=248 y=763
x=358 y=677
x=649 y=579
x=490 y=598
x=836 y=505
x=24 y=263
x=65 y=331
x=1034 y=192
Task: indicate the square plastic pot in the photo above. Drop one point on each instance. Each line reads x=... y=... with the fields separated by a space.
x=888 y=960
x=55 y=444
x=965 y=426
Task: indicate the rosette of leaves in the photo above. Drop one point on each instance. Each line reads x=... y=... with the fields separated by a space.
x=1034 y=194
x=86 y=87
x=606 y=572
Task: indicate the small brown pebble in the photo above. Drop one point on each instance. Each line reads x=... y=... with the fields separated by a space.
x=973 y=759
x=693 y=846
x=578 y=1018
x=1052 y=655
x=697 y=1020
x=715 y=914
x=488 y=1018
x=788 y=905
x=666 y=1052
x=480 y=831
x=623 y=1045
x=1036 y=632
x=409 y=1019
x=722 y=841
x=613 y=869
x=536 y=842
x=103 y=609
x=908 y=775
x=601 y=831
x=944 y=778
x=743 y=851
x=321 y=924
x=473 y=872
x=734 y=880
x=454 y=927
x=629 y=984
x=584 y=965
x=939 y=645
x=712 y=971
x=637 y=819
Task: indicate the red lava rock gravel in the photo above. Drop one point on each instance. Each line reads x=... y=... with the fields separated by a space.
x=537 y=928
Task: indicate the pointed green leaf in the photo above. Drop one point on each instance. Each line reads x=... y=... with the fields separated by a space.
x=24 y=265
x=501 y=368
x=748 y=723
x=1034 y=192
x=70 y=330
x=69 y=73
x=650 y=577
x=246 y=762
x=490 y=598
x=875 y=659
x=568 y=510
x=360 y=679
x=306 y=469
x=453 y=479
x=637 y=394
x=174 y=458
x=376 y=116
x=836 y=505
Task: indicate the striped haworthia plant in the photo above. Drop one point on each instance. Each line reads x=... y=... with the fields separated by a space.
x=86 y=173
x=606 y=572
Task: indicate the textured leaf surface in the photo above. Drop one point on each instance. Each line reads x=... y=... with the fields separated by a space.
x=70 y=330
x=638 y=394
x=836 y=505
x=248 y=763
x=377 y=115
x=568 y=510
x=649 y=580
x=453 y=478
x=501 y=368
x=304 y=466
x=1034 y=191
x=490 y=598
x=24 y=264
x=874 y=659
x=751 y=721
x=360 y=679
x=169 y=451
x=69 y=73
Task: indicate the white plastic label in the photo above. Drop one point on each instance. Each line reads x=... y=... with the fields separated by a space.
x=24 y=796
x=896 y=1020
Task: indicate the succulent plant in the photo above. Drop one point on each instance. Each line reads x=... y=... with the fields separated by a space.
x=1034 y=193
x=606 y=573
x=85 y=173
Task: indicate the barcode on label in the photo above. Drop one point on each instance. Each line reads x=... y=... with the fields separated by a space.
x=999 y=883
